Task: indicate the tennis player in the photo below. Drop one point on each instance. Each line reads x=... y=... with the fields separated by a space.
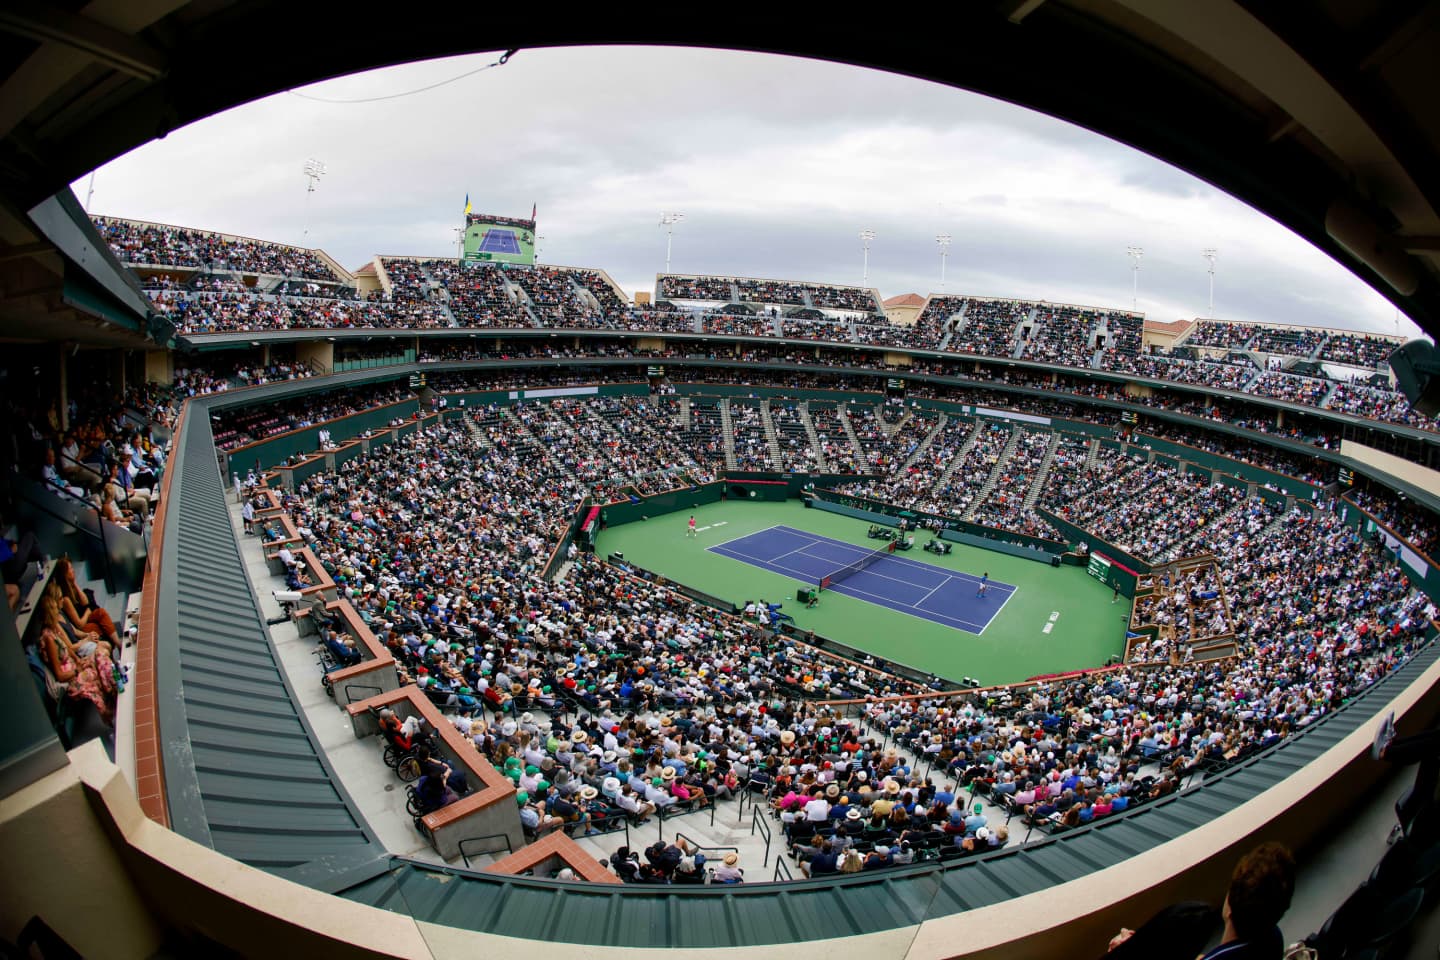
x=984 y=584
x=690 y=530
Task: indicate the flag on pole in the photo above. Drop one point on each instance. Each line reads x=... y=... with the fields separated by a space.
x=467 y=203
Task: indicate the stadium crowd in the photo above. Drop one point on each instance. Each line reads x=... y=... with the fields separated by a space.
x=441 y=539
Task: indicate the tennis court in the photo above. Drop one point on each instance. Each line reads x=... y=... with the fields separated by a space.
x=947 y=597
x=1062 y=618
x=498 y=240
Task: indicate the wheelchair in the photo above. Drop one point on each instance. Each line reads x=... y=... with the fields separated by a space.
x=404 y=760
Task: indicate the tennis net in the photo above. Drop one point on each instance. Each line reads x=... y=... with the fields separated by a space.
x=850 y=569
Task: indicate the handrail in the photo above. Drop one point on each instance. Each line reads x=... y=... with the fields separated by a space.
x=350 y=689
x=661 y=815
x=97 y=534
x=702 y=846
x=143 y=535
x=488 y=836
x=782 y=871
x=758 y=822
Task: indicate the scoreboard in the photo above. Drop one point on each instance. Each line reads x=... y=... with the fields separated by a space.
x=495 y=239
x=896 y=386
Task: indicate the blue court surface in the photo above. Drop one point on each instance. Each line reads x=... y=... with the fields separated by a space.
x=497 y=240
x=922 y=590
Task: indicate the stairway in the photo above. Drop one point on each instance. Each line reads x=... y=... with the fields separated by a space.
x=821 y=464
x=924 y=444
x=862 y=459
x=959 y=457
x=522 y=299
x=984 y=495
x=1186 y=545
x=887 y=428
x=1020 y=344
x=1093 y=455
x=727 y=430
x=476 y=434
x=772 y=439
x=1278 y=523
x=539 y=449
x=951 y=324
x=684 y=413
x=1043 y=474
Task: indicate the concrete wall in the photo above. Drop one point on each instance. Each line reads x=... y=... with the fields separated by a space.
x=1412 y=473
x=319 y=354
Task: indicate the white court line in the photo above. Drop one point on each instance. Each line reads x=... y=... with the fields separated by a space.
x=734 y=554
x=996 y=615
x=753 y=533
x=889 y=603
x=955 y=574
x=995 y=585
x=932 y=592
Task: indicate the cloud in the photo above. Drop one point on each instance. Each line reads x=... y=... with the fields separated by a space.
x=776 y=162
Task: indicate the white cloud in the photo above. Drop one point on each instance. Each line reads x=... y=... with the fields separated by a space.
x=776 y=162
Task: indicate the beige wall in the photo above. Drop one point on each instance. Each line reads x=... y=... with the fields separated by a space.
x=1422 y=477
x=902 y=316
x=62 y=867
x=318 y=353
x=1159 y=339
x=159 y=366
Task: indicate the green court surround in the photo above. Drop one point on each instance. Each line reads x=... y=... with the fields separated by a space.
x=1089 y=628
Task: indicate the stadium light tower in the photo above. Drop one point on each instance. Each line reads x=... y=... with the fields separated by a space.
x=668 y=221
x=459 y=243
x=1210 y=253
x=314 y=170
x=1134 y=253
x=944 y=241
x=865 y=237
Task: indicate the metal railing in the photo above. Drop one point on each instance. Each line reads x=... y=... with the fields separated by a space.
x=73 y=522
x=144 y=533
x=350 y=689
x=705 y=848
x=664 y=813
x=489 y=836
x=757 y=822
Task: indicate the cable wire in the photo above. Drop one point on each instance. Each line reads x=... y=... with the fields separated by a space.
x=504 y=59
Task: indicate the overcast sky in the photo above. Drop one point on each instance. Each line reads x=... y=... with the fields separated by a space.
x=776 y=163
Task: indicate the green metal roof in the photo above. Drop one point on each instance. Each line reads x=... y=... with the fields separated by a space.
x=243 y=771
x=763 y=913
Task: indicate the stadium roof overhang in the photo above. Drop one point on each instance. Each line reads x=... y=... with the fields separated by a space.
x=1319 y=114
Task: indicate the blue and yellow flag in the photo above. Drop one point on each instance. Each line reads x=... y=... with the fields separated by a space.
x=467 y=203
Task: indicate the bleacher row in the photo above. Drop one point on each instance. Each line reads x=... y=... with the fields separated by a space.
x=431 y=293
x=983 y=471
x=604 y=644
